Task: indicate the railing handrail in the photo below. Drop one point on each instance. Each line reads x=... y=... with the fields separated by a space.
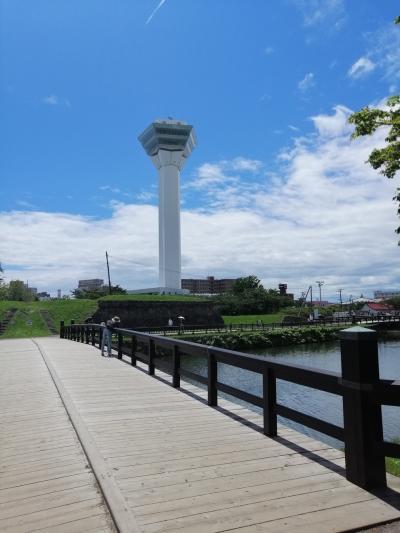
x=362 y=396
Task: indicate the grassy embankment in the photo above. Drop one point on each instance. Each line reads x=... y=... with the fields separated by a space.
x=29 y=322
x=252 y=319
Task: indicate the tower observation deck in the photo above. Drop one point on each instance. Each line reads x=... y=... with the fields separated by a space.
x=169 y=143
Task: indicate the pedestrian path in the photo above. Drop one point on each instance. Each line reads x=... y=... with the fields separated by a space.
x=164 y=460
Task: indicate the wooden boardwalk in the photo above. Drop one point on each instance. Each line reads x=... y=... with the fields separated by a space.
x=163 y=460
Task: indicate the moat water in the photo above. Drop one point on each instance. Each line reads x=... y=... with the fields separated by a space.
x=317 y=403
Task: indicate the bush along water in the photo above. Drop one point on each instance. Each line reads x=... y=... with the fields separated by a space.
x=280 y=337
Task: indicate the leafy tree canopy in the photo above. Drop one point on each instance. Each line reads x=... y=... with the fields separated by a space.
x=242 y=285
x=367 y=121
x=94 y=294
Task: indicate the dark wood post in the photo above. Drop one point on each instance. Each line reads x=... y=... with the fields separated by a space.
x=152 y=352
x=101 y=333
x=93 y=335
x=212 y=379
x=73 y=336
x=87 y=334
x=176 y=364
x=120 y=339
x=133 y=351
x=269 y=397
x=363 y=432
x=62 y=330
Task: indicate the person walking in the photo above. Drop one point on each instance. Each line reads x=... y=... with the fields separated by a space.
x=106 y=338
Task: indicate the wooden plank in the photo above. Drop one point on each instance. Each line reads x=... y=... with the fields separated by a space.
x=45 y=480
x=184 y=466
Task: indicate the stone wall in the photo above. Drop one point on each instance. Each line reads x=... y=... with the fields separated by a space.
x=135 y=313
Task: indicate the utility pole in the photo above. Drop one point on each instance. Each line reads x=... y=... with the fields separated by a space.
x=108 y=272
x=311 y=301
x=320 y=283
x=341 y=302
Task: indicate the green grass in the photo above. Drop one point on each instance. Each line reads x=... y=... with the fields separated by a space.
x=26 y=323
x=392 y=464
x=156 y=298
x=252 y=319
x=57 y=309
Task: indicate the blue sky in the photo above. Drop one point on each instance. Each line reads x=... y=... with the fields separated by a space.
x=264 y=84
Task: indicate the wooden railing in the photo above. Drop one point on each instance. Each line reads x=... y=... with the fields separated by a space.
x=363 y=392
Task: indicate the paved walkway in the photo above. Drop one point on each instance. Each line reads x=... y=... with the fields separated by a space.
x=163 y=460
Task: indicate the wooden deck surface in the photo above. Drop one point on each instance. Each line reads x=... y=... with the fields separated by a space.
x=175 y=463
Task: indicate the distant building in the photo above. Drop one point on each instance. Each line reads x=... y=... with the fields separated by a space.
x=372 y=308
x=283 y=291
x=90 y=284
x=42 y=296
x=32 y=290
x=210 y=285
x=58 y=293
x=385 y=294
x=321 y=303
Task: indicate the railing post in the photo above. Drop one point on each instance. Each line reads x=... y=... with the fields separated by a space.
x=73 y=337
x=152 y=352
x=212 y=379
x=62 y=330
x=269 y=397
x=93 y=335
x=120 y=338
x=87 y=334
x=363 y=432
x=133 y=351
x=176 y=364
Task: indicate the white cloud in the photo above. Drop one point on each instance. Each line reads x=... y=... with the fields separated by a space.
x=333 y=125
x=293 y=128
x=307 y=82
x=110 y=189
x=325 y=215
x=361 y=68
x=54 y=100
x=322 y=12
x=268 y=50
x=382 y=53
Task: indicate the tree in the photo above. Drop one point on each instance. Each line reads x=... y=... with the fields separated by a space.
x=95 y=294
x=19 y=292
x=242 y=285
x=367 y=121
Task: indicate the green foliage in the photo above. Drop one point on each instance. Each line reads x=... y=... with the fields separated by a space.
x=367 y=121
x=252 y=319
x=278 y=337
x=58 y=310
x=243 y=285
x=248 y=296
x=95 y=294
x=18 y=292
x=392 y=464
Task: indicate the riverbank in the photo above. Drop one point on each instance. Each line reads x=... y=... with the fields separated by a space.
x=242 y=340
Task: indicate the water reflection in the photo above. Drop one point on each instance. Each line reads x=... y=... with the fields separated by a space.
x=324 y=405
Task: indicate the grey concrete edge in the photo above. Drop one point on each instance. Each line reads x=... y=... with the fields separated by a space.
x=123 y=517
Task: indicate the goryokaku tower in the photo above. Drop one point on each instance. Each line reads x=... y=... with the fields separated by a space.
x=169 y=143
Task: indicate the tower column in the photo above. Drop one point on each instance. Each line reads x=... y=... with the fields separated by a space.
x=169 y=227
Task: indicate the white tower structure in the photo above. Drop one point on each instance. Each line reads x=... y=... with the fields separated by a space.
x=169 y=143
